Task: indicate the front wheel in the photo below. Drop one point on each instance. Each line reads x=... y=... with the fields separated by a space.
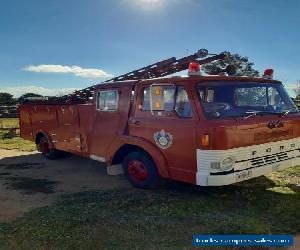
x=47 y=151
x=140 y=170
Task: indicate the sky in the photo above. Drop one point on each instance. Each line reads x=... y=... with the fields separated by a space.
x=53 y=47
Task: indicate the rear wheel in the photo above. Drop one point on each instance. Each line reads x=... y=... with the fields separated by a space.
x=47 y=150
x=140 y=170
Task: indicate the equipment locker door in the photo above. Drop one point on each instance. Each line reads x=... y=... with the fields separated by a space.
x=68 y=136
x=111 y=116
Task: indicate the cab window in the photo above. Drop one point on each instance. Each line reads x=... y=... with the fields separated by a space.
x=107 y=100
x=176 y=99
x=146 y=99
x=182 y=104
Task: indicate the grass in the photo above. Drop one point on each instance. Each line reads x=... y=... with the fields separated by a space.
x=165 y=218
x=14 y=142
x=9 y=122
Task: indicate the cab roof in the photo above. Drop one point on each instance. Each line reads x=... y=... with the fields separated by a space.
x=200 y=78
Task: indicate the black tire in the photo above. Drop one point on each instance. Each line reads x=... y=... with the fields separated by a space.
x=44 y=147
x=148 y=177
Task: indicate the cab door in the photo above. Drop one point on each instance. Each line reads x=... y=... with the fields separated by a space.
x=173 y=131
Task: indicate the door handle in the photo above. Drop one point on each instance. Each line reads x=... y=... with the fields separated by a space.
x=135 y=122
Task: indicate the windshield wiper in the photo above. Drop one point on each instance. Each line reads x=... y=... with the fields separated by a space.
x=255 y=113
x=284 y=113
x=251 y=114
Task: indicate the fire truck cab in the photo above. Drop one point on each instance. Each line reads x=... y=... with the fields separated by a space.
x=204 y=130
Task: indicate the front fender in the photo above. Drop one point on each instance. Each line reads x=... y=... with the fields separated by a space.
x=152 y=150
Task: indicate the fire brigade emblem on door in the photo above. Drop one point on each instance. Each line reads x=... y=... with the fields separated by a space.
x=163 y=139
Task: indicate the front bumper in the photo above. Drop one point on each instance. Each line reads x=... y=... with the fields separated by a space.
x=238 y=176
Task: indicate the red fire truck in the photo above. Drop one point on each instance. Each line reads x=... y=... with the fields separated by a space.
x=201 y=129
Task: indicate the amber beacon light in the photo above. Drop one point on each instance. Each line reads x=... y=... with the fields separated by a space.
x=205 y=140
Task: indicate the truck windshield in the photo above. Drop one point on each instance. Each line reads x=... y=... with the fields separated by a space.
x=238 y=99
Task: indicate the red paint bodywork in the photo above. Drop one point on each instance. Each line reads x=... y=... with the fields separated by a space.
x=85 y=131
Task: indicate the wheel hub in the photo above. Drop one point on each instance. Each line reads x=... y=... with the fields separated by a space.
x=137 y=171
x=45 y=147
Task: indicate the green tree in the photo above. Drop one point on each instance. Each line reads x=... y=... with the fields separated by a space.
x=244 y=67
x=6 y=99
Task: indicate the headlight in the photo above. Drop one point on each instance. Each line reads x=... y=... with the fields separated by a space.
x=227 y=164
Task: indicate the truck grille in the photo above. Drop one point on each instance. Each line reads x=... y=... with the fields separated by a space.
x=268 y=159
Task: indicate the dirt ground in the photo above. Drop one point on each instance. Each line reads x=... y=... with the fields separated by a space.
x=28 y=180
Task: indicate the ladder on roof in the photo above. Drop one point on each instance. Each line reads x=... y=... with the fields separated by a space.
x=159 y=69
x=168 y=66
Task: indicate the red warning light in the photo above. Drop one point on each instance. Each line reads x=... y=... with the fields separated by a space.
x=268 y=74
x=194 y=68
